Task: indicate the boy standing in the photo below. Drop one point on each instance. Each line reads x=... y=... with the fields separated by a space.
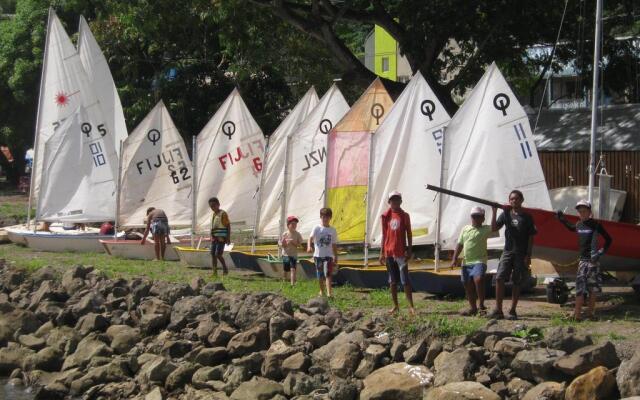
x=289 y=243
x=323 y=241
x=158 y=225
x=588 y=279
x=472 y=243
x=220 y=235
x=396 y=250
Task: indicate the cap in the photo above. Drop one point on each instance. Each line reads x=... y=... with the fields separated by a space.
x=583 y=203
x=477 y=211
x=292 y=218
x=394 y=193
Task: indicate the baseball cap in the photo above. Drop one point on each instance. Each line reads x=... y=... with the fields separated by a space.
x=477 y=211
x=394 y=193
x=583 y=203
x=292 y=218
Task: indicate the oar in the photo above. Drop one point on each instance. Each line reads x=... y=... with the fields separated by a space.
x=465 y=196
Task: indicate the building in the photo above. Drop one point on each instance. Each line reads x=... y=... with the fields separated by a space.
x=382 y=56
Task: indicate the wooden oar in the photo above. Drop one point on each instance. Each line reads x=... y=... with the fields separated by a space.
x=466 y=197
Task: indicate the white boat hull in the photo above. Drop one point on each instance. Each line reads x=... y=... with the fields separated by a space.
x=275 y=269
x=132 y=249
x=200 y=258
x=53 y=242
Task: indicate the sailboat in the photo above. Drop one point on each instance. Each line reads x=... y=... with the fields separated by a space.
x=65 y=90
x=228 y=158
x=155 y=171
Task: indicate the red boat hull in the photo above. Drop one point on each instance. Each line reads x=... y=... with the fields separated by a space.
x=556 y=244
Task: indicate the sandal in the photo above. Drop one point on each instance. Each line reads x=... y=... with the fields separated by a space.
x=468 y=312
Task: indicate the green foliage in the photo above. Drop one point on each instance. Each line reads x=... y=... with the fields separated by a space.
x=533 y=334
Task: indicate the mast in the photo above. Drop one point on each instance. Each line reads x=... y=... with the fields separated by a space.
x=194 y=186
x=285 y=188
x=367 y=210
x=595 y=98
x=118 y=190
x=439 y=206
x=37 y=130
x=259 y=202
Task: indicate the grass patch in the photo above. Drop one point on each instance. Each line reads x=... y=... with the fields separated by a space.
x=441 y=325
x=17 y=211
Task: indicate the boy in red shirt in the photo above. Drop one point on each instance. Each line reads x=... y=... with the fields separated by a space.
x=396 y=249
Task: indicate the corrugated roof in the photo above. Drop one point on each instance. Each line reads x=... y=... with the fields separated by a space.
x=570 y=130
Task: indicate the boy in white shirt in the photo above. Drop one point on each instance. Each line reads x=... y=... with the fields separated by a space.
x=323 y=241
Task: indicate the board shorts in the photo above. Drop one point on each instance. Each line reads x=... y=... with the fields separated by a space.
x=159 y=227
x=289 y=263
x=217 y=247
x=512 y=266
x=324 y=267
x=470 y=271
x=588 y=279
x=398 y=271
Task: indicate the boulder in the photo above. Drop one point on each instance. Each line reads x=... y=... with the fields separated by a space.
x=297 y=384
x=64 y=338
x=416 y=353
x=457 y=366
x=566 y=338
x=519 y=387
x=48 y=290
x=399 y=381
x=157 y=370
x=180 y=376
x=461 y=390
x=211 y=356
x=344 y=363
x=628 y=376
x=371 y=360
x=32 y=341
x=323 y=355
x=221 y=335
x=278 y=324
x=154 y=315
x=87 y=349
x=435 y=348
x=397 y=350
x=535 y=365
x=546 y=391
x=587 y=358
x=252 y=340
x=342 y=389
x=599 y=383
x=277 y=353
x=206 y=374
x=319 y=336
x=124 y=340
x=257 y=389
x=48 y=359
x=510 y=346
x=116 y=371
x=91 y=322
x=91 y=302
x=297 y=362
x=187 y=309
x=176 y=348
x=17 y=320
x=12 y=357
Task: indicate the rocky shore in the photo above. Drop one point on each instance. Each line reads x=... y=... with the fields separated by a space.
x=77 y=334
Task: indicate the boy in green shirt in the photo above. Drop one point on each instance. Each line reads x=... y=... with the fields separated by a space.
x=472 y=244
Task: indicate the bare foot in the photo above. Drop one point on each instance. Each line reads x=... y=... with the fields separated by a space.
x=393 y=311
x=412 y=311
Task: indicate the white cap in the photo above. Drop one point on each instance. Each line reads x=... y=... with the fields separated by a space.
x=583 y=203
x=394 y=193
x=477 y=211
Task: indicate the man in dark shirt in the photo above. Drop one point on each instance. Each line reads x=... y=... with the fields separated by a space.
x=588 y=278
x=516 y=257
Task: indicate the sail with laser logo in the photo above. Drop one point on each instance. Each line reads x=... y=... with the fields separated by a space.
x=230 y=149
x=306 y=167
x=156 y=172
x=348 y=161
x=488 y=152
x=406 y=156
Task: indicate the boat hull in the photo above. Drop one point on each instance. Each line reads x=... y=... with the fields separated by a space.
x=56 y=243
x=274 y=269
x=132 y=249
x=200 y=258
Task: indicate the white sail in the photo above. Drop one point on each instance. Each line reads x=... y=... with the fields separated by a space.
x=488 y=151
x=156 y=171
x=406 y=156
x=78 y=182
x=305 y=183
x=63 y=89
x=230 y=152
x=269 y=223
x=99 y=74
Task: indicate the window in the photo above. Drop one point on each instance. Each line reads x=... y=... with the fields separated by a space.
x=385 y=64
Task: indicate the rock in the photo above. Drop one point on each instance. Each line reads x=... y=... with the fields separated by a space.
x=64 y=338
x=319 y=305
x=156 y=370
x=457 y=366
x=12 y=358
x=510 y=346
x=206 y=374
x=344 y=363
x=546 y=391
x=323 y=355
x=278 y=324
x=211 y=288
x=252 y=340
x=186 y=309
x=211 y=356
x=628 y=376
x=91 y=302
x=587 y=358
x=257 y=389
x=91 y=322
x=397 y=350
x=54 y=391
x=48 y=359
x=598 y=383
x=206 y=325
x=519 y=387
x=500 y=389
x=416 y=353
x=535 y=365
x=297 y=362
x=342 y=390
x=32 y=341
x=399 y=381
x=221 y=335
x=154 y=315
x=298 y=383
x=277 y=353
x=176 y=348
x=17 y=320
x=461 y=390
x=87 y=349
x=180 y=376
x=116 y=371
x=170 y=292
x=319 y=336
x=155 y=394
x=566 y=338
x=124 y=340
x=435 y=348
x=48 y=291
x=251 y=362
x=371 y=360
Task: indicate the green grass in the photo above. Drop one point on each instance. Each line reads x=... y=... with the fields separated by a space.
x=14 y=210
x=435 y=316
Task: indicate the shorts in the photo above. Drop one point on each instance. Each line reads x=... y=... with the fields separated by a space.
x=588 y=279
x=324 y=267
x=512 y=266
x=217 y=247
x=159 y=227
x=289 y=263
x=471 y=271
x=398 y=271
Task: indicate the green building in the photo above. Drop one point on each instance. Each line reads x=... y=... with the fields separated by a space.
x=382 y=56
